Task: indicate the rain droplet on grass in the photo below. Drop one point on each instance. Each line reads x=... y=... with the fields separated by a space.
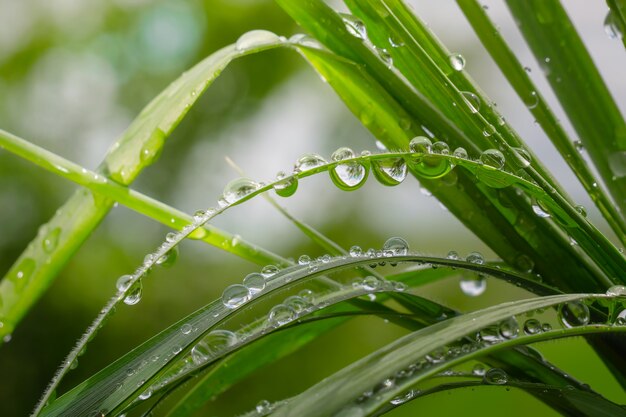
x=308 y=162
x=496 y=376
x=281 y=314
x=287 y=185
x=397 y=246
x=390 y=171
x=472 y=101
x=492 y=158
x=238 y=189
x=354 y=26
x=574 y=313
x=235 y=295
x=256 y=39
x=254 y=282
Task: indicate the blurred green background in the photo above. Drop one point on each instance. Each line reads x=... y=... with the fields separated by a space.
x=73 y=74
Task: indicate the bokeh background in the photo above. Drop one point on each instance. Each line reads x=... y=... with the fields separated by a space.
x=73 y=75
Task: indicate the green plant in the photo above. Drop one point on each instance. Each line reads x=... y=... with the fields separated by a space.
x=437 y=125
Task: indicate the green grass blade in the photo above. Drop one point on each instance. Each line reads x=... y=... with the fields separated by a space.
x=139 y=146
x=579 y=87
x=338 y=391
x=527 y=91
x=142 y=204
x=569 y=401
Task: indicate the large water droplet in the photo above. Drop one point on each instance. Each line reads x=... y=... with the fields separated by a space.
x=612 y=26
x=492 y=158
x=254 y=282
x=616 y=290
x=440 y=148
x=475 y=258
x=509 y=328
x=522 y=157
x=134 y=295
x=256 y=39
x=186 y=328
x=350 y=175
x=238 y=189
x=354 y=26
x=286 y=186
x=420 y=144
x=460 y=153
x=235 y=295
x=356 y=251
x=51 y=240
x=457 y=62
x=401 y=399
x=574 y=313
x=308 y=162
x=473 y=286
x=281 y=314
x=472 y=101
x=496 y=376
x=397 y=246
x=390 y=171
x=539 y=210
x=269 y=271
x=532 y=100
x=532 y=326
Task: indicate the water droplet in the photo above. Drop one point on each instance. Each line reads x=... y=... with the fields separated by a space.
x=281 y=314
x=134 y=295
x=263 y=407
x=390 y=171
x=325 y=258
x=460 y=153
x=308 y=162
x=169 y=258
x=509 y=328
x=146 y=394
x=171 y=237
x=395 y=43
x=151 y=150
x=475 y=258
x=305 y=40
x=397 y=246
x=522 y=157
x=581 y=210
x=492 y=158
x=235 y=295
x=612 y=26
x=254 y=282
x=354 y=26
x=186 y=328
x=546 y=327
x=454 y=255
x=496 y=376
x=350 y=175
x=532 y=326
x=420 y=144
x=286 y=186
x=440 y=148
x=371 y=283
x=457 y=62
x=401 y=399
x=304 y=260
x=579 y=146
x=213 y=344
x=478 y=369
x=539 y=210
x=489 y=335
x=574 y=313
x=238 y=189
x=356 y=251
x=616 y=290
x=269 y=271
x=256 y=39
x=51 y=240
x=532 y=100
x=298 y=303
x=384 y=56
x=617 y=163
x=473 y=286
x=472 y=101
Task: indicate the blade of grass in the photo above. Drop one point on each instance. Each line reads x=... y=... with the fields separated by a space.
x=338 y=391
x=579 y=87
x=139 y=146
x=142 y=204
x=527 y=91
